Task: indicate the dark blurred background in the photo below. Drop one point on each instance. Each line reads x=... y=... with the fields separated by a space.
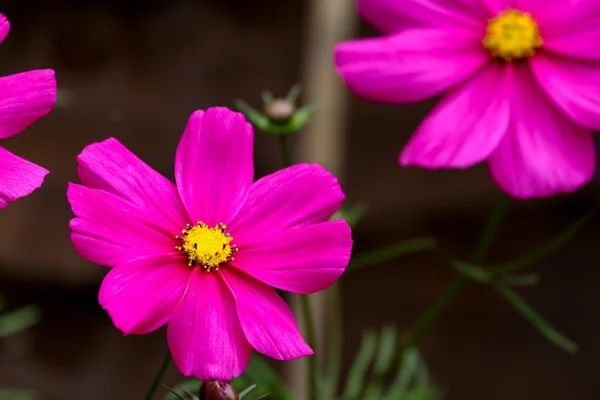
x=136 y=70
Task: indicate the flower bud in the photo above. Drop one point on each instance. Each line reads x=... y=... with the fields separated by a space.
x=280 y=110
x=215 y=389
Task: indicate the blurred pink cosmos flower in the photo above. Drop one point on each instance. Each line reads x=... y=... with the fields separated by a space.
x=523 y=78
x=24 y=98
x=201 y=255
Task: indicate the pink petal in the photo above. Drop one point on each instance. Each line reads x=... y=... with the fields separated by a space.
x=111 y=167
x=4 y=27
x=18 y=177
x=141 y=295
x=24 y=98
x=573 y=86
x=267 y=321
x=392 y=15
x=300 y=260
x=213 y=167
x=410 y=66
x=544 y=153
x=204 y=333
x=300 y=195
x=111 y=231
x=570 y=27
x=582 y=44
x=558 y=18
x=465 y=127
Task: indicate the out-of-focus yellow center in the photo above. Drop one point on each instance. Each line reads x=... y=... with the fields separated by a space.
x=512 y=35
x=208 y=247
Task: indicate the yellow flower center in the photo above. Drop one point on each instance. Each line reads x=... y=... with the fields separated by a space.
x=512 y=35
x=208 y=247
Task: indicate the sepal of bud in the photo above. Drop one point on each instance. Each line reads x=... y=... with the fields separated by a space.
x=280 y=116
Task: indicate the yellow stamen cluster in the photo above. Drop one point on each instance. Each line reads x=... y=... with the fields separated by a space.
x=208 y=247
x=512 y=35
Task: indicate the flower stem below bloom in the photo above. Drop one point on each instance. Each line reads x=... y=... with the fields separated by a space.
x=159 y=377
x=309 y=333
x=285 y=150
x=434 y=311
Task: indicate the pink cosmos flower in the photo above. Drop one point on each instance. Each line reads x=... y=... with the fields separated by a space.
x=201 y=255
x=523 y=82
x=24 y=98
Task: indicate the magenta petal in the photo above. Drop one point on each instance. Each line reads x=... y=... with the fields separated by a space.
x=111 y=167
x=392 y=15
x=299 y=260
x=543 y=153
x=213 y=166
x=267 y=321
x=204 y=333
x=111 y=231
x=465 y=127
x=18 y=177
x=24 y=98
x=300 y=195
x=410 y=66
x=4 y=27
x=573 y=86
x=140 y=295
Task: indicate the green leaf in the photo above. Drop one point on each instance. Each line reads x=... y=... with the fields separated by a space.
x=19 y=320
x=256 y=118
x=391 y=252
x=351 y=214
x=400 y=384
x=17 y=394
x=267 y=97
x=547 y=248
x=356 y=376
x=536 y=320
x=259 y=372
x=294 y=93
x=183 y=390
x=245 y=392
x=300 y=118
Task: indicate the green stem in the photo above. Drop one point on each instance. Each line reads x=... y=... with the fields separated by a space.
x=435 y=310
x=431 y=315
x=285 y=150
x=159 y=377
x=309 y=334
x=309 y=328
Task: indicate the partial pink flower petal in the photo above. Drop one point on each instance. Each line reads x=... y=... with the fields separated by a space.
x=4 y=27
x=267 y=321
x=141 y=295
x=410 y=66
x=204 y=332
x=392 y=15
x=299 y=260
x=111 y=167
x=300 y=195
x=573 y=85
x=581 y=44
x=465 y=127
x=24 y=98
x=558 y=18
x=18 y=177
x=112 y=231
x=544 y=153
x=213 y=166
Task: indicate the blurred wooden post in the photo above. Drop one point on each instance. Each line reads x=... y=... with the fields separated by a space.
x=323 y=141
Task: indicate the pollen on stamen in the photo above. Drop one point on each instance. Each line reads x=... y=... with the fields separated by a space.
x=512 y=35
x=207 y=247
